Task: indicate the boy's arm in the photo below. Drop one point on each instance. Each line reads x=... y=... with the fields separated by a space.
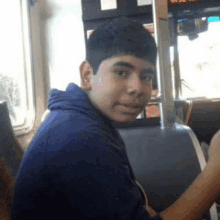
x=203 y=192
x=198 y=198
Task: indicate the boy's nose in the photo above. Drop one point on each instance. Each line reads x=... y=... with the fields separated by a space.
x=134 y=85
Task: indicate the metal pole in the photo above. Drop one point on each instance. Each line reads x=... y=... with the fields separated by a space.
x=160 y=17
x=178 y=88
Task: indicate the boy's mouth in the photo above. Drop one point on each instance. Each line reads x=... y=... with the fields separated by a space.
x=135 y=106
x=130 y=108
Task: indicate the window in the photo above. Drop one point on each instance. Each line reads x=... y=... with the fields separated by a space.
x=66 y=43
x=199 y=62
x=12 y=69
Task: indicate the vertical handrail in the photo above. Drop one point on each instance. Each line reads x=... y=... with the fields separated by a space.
x=160 y=17
x=178 y=86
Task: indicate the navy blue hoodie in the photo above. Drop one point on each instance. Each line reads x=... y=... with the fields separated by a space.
x=76 y=166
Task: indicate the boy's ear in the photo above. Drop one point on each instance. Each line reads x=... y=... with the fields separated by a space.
x=86 y=74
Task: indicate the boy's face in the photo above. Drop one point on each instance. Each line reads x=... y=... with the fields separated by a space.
x=121 y=87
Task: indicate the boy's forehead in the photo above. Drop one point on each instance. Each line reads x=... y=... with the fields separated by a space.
x=129 y=61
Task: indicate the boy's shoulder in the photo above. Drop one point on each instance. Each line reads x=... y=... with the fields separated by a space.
x=62 y=126
x=63 y=133
x=76 y=130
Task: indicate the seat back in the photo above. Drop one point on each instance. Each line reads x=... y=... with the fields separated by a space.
x=165 y=162
x=10 y=148
x=10 y=157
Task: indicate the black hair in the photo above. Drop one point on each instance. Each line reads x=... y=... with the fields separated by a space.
x=120 y=36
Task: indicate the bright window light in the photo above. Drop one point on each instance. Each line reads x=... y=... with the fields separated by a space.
x=12 y=70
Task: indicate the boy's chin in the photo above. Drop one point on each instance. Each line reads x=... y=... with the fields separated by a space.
x=125 y=119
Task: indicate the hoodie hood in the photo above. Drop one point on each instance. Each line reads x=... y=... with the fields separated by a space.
x=74 y=98
x=71 y=99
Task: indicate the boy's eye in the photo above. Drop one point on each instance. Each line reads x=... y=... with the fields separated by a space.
x=147 y=77
x=121 y=73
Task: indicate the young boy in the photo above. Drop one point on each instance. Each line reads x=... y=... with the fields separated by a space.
x=76 y=166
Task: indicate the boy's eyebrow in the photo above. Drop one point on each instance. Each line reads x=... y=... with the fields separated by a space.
x=130 y=66
x=124 y=64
